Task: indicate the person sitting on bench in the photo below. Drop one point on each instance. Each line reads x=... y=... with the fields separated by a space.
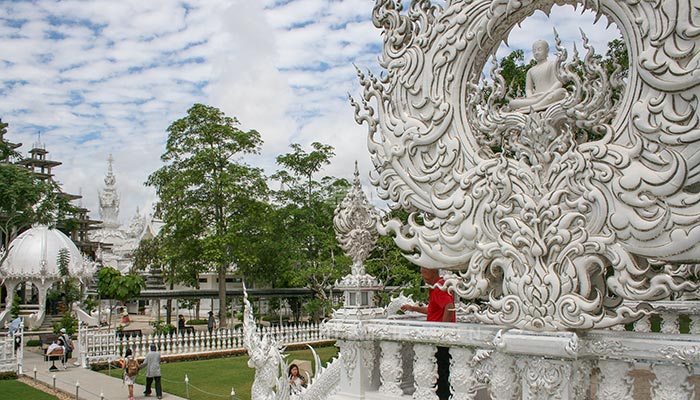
x=55 y=352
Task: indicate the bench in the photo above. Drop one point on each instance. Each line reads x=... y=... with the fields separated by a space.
x=56 y=354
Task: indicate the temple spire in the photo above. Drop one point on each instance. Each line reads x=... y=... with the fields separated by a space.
x=109 y=199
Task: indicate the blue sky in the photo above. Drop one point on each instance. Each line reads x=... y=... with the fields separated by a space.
x=101 y=77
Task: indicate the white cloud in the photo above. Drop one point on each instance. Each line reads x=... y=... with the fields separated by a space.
x=107 y=76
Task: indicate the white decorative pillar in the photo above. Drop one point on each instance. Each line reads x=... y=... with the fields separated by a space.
x=355 y=223
x=462 y=377
x=503 y=382
x=546 y=379
x=355 y=377
x=671 y=383
x=390 y=369
x=425 y=372
x=614 y=381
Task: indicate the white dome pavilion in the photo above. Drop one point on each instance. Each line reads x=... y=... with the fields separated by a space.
x=32 y=257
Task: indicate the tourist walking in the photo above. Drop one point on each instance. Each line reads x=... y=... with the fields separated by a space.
x=131 y=370
x=67 y=343
x=152 y=365
x=211 y=322
x=181 y=324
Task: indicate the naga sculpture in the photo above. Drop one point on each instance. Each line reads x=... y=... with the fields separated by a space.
x=266 y=357
x=548 y=229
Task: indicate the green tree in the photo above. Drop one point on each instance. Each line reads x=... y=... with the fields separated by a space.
x=514 y=71
x=305 y=216
x=209 y=199
x=25 y=199
x=388 y=264
x=112 y=285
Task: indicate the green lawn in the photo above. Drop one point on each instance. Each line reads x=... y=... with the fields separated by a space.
x=217 y=376
x=12 y=389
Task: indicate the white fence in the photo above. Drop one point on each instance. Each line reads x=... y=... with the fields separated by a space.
x=105 y=345
x=11 y=351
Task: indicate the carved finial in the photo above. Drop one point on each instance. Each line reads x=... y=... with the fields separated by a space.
x=355 y=225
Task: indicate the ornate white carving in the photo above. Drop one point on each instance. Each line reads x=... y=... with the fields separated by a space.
x=503 y=380
x=265 y=356
x=671 y=383
x=462 y=374
x=614 y=381
x=390 y=370
x=348 y=354
x=605 y=347
x=534 y=227
x=424 y=372
x=669 y=322
x=686 y=355
x=396 y=302
x=544 y=379
x=355 y=224
x=369 y=355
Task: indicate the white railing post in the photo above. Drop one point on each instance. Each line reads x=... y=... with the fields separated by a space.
x=390 y=368
x=671 y=383
x=614 y=381
x=354 y=376
x=424 y=371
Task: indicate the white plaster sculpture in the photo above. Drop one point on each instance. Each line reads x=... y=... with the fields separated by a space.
x=266 y=357
x=542 y=86
x=271 y=381
x=550 y=233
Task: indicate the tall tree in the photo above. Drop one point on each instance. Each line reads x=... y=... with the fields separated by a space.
x=208 y=197
x=25 y=199
x=306 y=204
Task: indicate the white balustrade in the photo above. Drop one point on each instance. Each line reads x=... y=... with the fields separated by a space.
x=508 y=364
x=102 y=345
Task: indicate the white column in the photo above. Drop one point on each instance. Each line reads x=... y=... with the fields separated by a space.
x=503 y=381
x=425 y=372
x=671 y=383
x=614 y=381
x=462 y=377
x=390 y=369
x=354 y=375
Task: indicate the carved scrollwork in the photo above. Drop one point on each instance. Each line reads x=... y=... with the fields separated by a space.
x=552 y=231
x=355 y=223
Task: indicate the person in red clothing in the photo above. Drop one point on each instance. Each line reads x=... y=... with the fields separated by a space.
x=441 y=308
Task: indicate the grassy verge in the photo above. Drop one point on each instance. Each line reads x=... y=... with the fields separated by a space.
x=12 y=389
x=214 y=378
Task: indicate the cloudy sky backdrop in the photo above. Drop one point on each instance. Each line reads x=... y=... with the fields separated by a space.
x=99 y=77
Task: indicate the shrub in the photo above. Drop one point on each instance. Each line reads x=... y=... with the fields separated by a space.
x=8 y=375
x=196 y=322
x=14 y=310
x=68 y=322
x=161 y=328
x=33 y=343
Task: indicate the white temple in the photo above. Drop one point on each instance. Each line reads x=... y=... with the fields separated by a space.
x=118 y=243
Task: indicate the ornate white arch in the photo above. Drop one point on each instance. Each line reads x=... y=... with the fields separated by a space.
x=550 y=234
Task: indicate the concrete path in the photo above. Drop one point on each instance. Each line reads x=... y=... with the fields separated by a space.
x=93 y=385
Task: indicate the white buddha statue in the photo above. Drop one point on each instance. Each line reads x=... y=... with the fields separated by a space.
x=542 y=87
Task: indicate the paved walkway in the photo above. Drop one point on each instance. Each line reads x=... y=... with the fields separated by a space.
x=93 y=385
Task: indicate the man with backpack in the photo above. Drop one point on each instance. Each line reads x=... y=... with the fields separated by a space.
x=152 y=365
x=67 y=343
